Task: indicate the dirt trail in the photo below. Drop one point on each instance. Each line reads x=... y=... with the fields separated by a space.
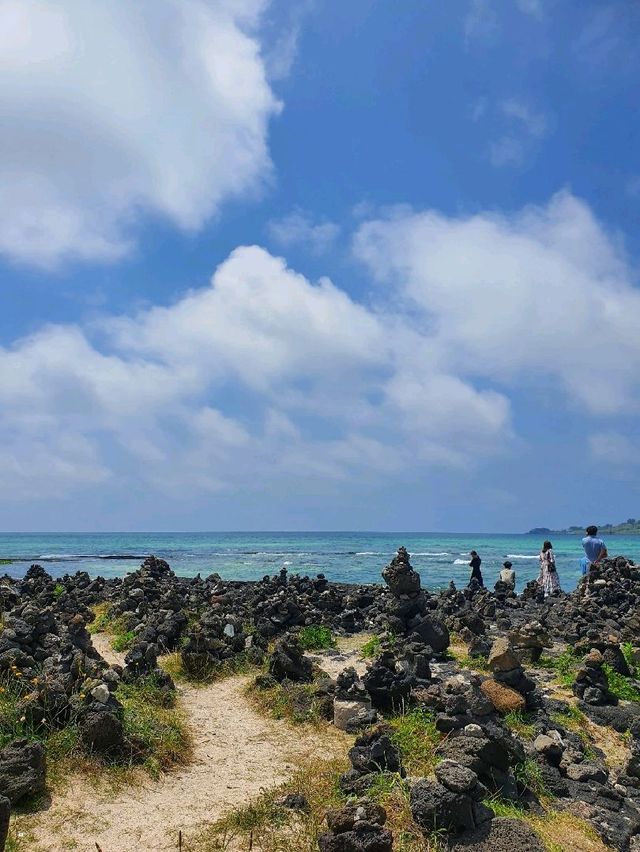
x=102 y=644
x=237 y=753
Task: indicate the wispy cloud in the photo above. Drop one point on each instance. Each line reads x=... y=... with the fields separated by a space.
x=480 y=22
x=525 y=126
x=530 y=7
x=533 y=122
x=299 y=228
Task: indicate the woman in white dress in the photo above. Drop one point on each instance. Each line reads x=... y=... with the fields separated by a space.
x=548 y=579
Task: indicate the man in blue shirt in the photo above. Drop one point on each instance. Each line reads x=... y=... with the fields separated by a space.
x=594 y=548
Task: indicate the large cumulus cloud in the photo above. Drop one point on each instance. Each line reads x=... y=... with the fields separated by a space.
x=114 y=109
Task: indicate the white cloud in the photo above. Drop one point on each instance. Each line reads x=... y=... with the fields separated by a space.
x=263 y=380
x=115 y=109
x=299 y=228
x=328 y=389
x=546 y=292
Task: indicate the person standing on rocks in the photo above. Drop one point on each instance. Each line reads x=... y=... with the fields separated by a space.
x=508 y=575
x=594 y=548
x=548 y=578
x=476 y=573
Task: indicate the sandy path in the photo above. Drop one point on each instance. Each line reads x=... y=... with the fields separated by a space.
x=102 y=643
x=237 y=753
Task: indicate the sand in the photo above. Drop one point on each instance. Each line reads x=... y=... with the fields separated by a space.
x=237 y=753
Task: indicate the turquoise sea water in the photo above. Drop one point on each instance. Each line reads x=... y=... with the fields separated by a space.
x=356 y=557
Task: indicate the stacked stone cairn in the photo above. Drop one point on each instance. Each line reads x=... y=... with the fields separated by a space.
x=352 y=710
x=509 y=689
x=591 y=684
x=357 y=827
x=373 y=753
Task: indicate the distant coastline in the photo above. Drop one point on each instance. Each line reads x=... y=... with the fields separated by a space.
x=628 y=527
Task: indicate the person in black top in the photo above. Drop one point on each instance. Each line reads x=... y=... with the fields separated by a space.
x=476 y=573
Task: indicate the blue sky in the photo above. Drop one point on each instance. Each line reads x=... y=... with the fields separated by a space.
x=319 y=266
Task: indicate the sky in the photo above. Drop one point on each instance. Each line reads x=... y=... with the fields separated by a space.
x=319 y=266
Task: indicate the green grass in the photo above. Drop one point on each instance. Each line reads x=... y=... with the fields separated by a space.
x=123 y=641
x=529 y=774
x=622 y=687
x=574 y=720
x=416 y=736
x=156 y=730
x=564 y=666
x=116 y=627
x=157 y=735
x=315 y=637
x=266 y=826
x=371 y=647
x=14 y=725
x=295 y=702
x=520 y=724
x=205 y=672
x=58 y=590
x=475 y=664
x=101 y=621
x=628 y=650
x=505 y=808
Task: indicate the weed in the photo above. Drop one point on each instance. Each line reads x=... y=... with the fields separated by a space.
x=529 y=775
x=297 y=702
x=520 y=723
x=264 y=825
x=123 y=641
x=476 y=664
x=622 y=687
x=6 y=561
x=565 y=666
x=157 y=732
x=628 y=651
x=558 y=830
x=200 y=672
x=574 y=720
x=505 y=808
x=58 y=590
x=101 y=618
x=371 y=648
x=315 y=637
x=417 y=737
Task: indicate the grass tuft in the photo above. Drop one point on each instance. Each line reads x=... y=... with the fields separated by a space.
x=417 y=737
x=206 y=672
x=296 y=702
x=265 y=826
x=520 y=723
x=315 y=637
x=156 y=729
x=529 y=775
x=622 y=687
x=564 y=666
x=371 y=647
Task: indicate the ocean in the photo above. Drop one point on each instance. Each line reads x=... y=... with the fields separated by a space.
x=350 y=557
